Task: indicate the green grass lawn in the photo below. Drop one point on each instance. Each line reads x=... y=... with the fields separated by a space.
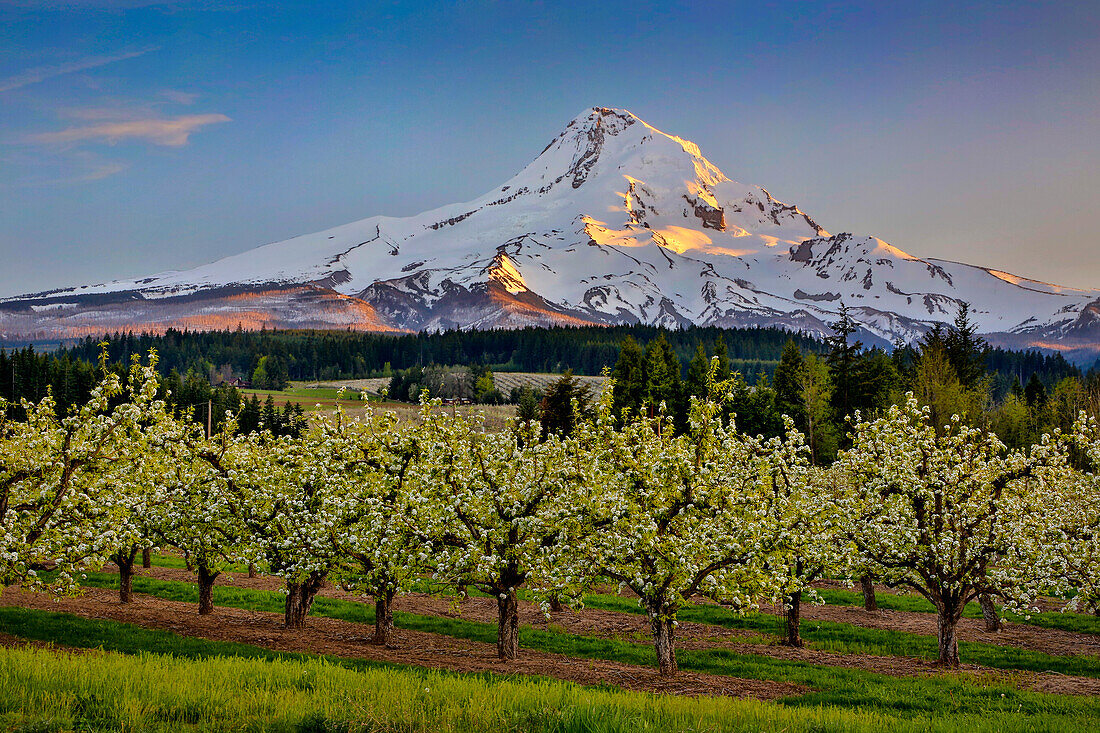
x=1079 y=623
x=216 y=687
x=177 y=683
x=825 y=635
x=853 y=688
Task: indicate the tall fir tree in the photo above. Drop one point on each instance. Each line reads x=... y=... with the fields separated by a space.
x=662 y=371
x=965 y=349
x=843 y=363
x=695 y=382
x=788 y=392
x=721 y=351
x=630 y=377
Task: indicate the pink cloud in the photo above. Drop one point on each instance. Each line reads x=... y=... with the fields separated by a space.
x=42 y=73
x=170 y=131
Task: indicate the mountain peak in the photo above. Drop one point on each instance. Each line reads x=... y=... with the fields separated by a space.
x=614 y=221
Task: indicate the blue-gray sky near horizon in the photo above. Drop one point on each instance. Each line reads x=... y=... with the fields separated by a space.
x=138 y=136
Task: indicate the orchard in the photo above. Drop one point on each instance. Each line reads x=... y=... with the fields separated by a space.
x=379 y=505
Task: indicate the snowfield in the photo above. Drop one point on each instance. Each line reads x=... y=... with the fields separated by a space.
x=614 y=222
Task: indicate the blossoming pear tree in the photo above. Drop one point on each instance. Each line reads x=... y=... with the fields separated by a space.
x=670 y=516
x=384 y=498
x=499 y=506
x=203 y=516
x=945 y=514
x=1070 y=521
x=803 y=540
x=59 y=497
x=139 y=476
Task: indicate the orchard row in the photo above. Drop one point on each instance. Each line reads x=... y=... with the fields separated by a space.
x=376 y=503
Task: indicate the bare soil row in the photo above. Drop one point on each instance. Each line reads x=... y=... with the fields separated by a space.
x=348 y=639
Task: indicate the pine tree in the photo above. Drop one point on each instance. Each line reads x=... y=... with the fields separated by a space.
x=695 y=383
x=527 y=404
x=724 y=371
x=788 y=393
x=965 y=349
x=1035 y=394
x=663 y=382
x=842 y=359
x=630 y=377
x=566 y=400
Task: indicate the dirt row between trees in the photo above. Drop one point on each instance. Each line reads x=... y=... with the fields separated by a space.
x=635 y=627
x=409 y=645
x=414 y=648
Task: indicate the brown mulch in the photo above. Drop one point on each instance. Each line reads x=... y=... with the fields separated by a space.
x=1023 y=636
x=615 y=624
x=422 y=649
x=438 y=651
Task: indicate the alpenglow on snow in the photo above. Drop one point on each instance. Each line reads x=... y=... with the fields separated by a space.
x=614 y=222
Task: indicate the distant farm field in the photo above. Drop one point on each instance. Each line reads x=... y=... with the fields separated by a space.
x=325 y=396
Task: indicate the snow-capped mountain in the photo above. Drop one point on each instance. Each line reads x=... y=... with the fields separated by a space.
x=614 y=222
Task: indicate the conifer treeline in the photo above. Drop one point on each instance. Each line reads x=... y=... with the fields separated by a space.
x=25 y=374
x=272 y=357
x=322 y=355
x=949 y=371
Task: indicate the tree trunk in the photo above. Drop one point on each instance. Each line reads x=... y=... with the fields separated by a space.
x=146 y=558
x=947 y=624
x=383 y=618
x=299 y=599
x=206 y=589
x=870 y=603
x=555 y=604
x=125 y=564
x=794 y=620
x=665 y=644
x=508 y=625
x=989 y=613
x=251 y=570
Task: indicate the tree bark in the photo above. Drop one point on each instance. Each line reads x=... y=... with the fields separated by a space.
x=508 y=625
x=299 y=599
x=870 y=603
x=383 y=618
x=146 y=558
x=125 y=562
x=794 y=620
x=989 y=613
x=555 y=604
x=665 y=644
x=206 y=588
x=251 y=570
x=947 y=624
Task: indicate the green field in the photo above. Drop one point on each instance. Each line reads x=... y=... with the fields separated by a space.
x=150 y=679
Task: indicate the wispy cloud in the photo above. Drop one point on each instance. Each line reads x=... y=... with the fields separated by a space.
x=55 y=168
x=170 y=131
x=178 y=97
x=92 y=168
x=41 y=73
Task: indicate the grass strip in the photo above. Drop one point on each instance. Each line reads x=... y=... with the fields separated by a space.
x=1078 y=623
x=833 y=685
x=214 y=685
x=46 y=690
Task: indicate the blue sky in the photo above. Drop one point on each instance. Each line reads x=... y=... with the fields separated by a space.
x=138 y=136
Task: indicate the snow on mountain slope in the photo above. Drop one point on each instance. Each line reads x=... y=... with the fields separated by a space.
x=614 y=222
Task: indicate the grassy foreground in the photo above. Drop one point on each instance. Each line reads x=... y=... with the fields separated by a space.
x=43 y=690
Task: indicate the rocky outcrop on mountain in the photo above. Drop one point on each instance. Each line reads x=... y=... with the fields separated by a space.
x=614 y=222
